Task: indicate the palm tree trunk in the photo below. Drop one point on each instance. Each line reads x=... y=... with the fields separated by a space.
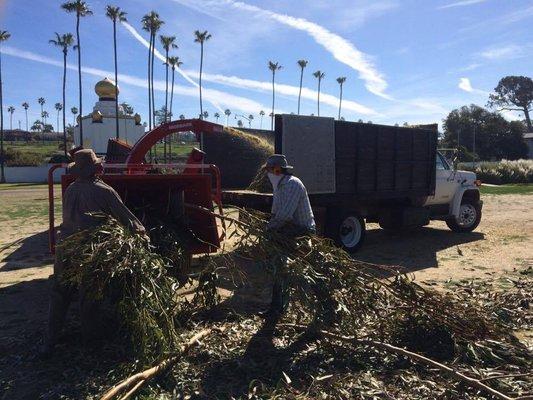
x=166 y=100
x=170 y=114
x=528 y=120
x=340 y=104
x=2 y=175
x=200 y=81
x=273 y=94
x=79 y=76
x=116 y=77
x=318 y=99
x=300 y=92
x=26 y=111
x=149 y=87
x=152 y=79
x=64 y=90
x=10 y=121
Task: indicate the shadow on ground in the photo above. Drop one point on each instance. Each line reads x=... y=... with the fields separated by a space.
x=32 y=252
x=413 y=250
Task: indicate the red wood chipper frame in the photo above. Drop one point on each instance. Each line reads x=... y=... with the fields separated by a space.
x=172 y=190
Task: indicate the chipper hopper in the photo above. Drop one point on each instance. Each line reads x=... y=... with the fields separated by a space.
x=173 y=192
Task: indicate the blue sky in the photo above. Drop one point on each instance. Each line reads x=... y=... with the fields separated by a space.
x=404 y=60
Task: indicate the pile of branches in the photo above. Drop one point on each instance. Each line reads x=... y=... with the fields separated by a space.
x=352 y=330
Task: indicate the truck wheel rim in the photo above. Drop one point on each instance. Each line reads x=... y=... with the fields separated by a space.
x=467 y=215
x=350 y=232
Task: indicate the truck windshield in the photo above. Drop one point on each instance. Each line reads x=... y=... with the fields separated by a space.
x=441 y=162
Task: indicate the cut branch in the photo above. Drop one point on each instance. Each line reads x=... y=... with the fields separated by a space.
x=135 y=382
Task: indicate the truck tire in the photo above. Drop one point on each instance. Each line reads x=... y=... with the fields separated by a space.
x=468 y=219
x=347 y=229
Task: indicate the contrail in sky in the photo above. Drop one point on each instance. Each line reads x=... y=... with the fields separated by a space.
x=259 y=85
x=341 y=49
x=236 y=102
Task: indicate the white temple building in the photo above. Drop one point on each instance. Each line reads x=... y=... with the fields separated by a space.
x=100 y=125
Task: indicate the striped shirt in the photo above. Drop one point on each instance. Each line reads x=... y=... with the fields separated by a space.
x=291 y=204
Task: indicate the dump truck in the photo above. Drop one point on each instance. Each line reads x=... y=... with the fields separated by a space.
x=357 y=173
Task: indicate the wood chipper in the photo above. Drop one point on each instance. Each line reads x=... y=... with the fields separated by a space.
x=170 y=191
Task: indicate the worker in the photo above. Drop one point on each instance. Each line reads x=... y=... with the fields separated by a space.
x=292 y=216
x=88 y=194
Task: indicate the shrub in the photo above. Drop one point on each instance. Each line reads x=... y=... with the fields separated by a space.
x=17 y=158
x=502 y=172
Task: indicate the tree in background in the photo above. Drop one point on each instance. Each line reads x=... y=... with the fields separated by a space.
x=25 y=106
x=4 y=35
x=205 y=115
x=58 y=107
x=74 y=112
x=174 y=63
x=45 y=116
x=227 y=113
x=81 y=9
x=319 y=75
x=201 y=37
x=128 y=109
x=11 y=110
x=168 y=43
x=217 y=116
x=182 y=117
x=340 y=81
x=273 y=66
x=261 y=114
x=250 y=119
x=514 y=93
x=239 y=123
x=302 y=64
x=116 y=15
x=474 y=129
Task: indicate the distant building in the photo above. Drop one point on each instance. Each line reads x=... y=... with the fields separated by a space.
x=100 y=125
x=528 y=138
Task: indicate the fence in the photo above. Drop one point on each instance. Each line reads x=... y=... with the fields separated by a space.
x=37 y=174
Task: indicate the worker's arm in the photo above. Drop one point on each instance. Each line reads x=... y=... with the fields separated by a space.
x=288 y=202
x=122 y=213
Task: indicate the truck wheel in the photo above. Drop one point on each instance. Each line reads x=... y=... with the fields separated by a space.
x=348 y=230
x=468 y=219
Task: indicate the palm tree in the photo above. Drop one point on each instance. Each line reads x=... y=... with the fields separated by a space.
x=64 y=42
x=44 y=116
x=74 y=111
x=205 y=115
x=273 y=66
x=239 y=123
x=217 y=116
x=168 y=42
x=116 y=15
x=201 y=37
x=25 y=105
x=58 y=107
x=262 y=114
x=341 y=81
x=4 y=35
x=174 y=63
x=182 y=117
x=319 y=75
x=81 y=8
x=42 y=101
x=151 y=23
x=302 y=64
x=227 y=112
x=250 y=119
x=11 y=110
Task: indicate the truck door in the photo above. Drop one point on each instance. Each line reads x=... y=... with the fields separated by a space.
x=445 y=183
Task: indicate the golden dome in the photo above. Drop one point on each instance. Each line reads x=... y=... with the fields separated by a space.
x=105 y=89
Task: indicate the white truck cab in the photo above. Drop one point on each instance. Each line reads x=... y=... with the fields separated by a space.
x=456 y=199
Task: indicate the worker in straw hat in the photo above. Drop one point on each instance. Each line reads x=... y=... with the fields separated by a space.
x=292 y=216
x=86 y=196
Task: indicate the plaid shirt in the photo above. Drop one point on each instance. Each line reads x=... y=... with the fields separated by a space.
x=291 y=204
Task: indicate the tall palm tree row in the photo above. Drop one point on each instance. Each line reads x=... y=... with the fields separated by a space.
x=11 y=110
x=302 y=64
x=4 y=35
x=64 y=42
x=174 y=63
x=168 y=43
x=81 y=9
x=115 y=14
x=25 y=106
x=319 y=75
x=273 y=67
x=201 y=37
x=340 y=80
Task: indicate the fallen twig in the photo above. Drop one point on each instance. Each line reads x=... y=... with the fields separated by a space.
x=135 y=382
x=414 y=356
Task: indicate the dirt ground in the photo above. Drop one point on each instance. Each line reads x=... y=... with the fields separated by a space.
x=436 y=256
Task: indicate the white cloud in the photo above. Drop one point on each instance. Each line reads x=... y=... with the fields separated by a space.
x=504 y=52
x=461 y=4
x=225 y=99
x=466 y=85
x=341 y=49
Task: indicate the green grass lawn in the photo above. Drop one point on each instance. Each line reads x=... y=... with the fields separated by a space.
x=46 y=149
x=507 y=189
